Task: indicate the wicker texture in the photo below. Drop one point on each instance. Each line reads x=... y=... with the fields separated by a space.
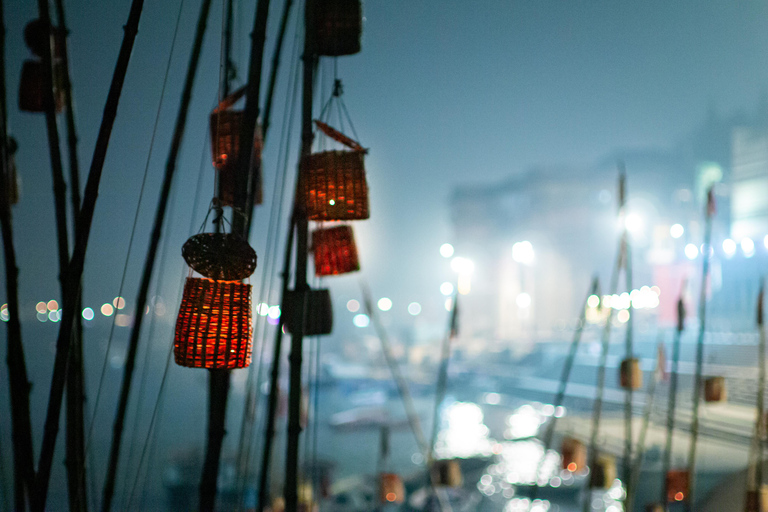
x=332 y=186
x=339 y=25
x=213 y=329
x=334 y=251
x=220 y=256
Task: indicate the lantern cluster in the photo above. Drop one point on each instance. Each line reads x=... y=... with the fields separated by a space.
x=213 y=328
x=225 y=124
x=32 y=85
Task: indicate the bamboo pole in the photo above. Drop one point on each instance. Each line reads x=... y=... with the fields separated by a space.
x=241 y=221
x=300 y=285
x=77 y=262
x=755 y=479
x=274 y=387
x=149 y=263
x=698 y=381
x=637 y=463
x=549 y=433
x=19 y=385
x=75 y=380
x=629 y=353
x=606 y=337
x=672 y=399
x=275 y=66
x=442 y=379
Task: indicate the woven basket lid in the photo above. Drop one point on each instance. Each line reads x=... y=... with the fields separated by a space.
x=220 y=256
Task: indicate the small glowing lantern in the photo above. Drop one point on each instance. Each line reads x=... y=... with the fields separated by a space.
x=715 y=390
x=448 y=472
x=332 y=186
x=574 y=454
x=757 y=501
x=213 y=329
x=338 y=24
x=32 y=87
x=603 y=473
x=225 y=125
x=630 y=374
x=314 y=305
x=391 y=488
x=678 y=481
x=334 y=251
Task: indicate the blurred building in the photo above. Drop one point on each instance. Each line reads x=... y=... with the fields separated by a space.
x=537 y=238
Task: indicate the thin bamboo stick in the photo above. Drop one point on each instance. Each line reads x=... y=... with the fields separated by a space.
x=549 y=433
x=275 y=66
x=672 y=399
x=149 y=263
x=19 y=386
x=77 y=262
x=75 y=380
x=698 y=381
x=300 y=285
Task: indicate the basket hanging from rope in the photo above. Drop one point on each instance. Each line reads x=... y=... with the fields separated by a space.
x=220 y=256
x=314 y=306
x=225 y=124
x=602 y=475
x=715 y=389
x=448 y=472
x=391 y=488
x=678 y=485
x=213 y=328
x=32 y=87
x=332 y=184
x=334 y=251
x=338 y=25
x=574 y=454
x=630 y=374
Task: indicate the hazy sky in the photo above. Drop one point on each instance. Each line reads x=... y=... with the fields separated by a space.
x=444 y=93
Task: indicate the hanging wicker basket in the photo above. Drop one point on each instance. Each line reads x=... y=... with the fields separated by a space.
x=678 y=485
x=630 y=374
x=391 y=488
x=603 y=473
x=334 y=251
x=339 y=25
x=219 y=256
x=32 y=87
x=574 y=454
x=448 y=472
x=715 y=389
x=319 y=312
x=37 y=39
x=213 y=328
x=332 y=186
x=225 y=124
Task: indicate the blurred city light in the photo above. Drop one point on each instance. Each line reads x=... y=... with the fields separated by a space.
x=107 y=309
x=522 y=252
x=118 y=302
x=53 y=305
x=729 y=247
x=385 y=304
x=361 y=320
x=691 y=251
x=446 y=288
x=353 y=306
x=446 y=250
x=462 y=265
x=414 y=308
x=593 y=301
x=262 y=309
x=274 y=312
x=676 y=230
x=88 y=313
x=748 y=247
x=523 y=300
x=633 y=222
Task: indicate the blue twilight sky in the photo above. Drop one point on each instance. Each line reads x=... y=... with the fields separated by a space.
x=444 y=93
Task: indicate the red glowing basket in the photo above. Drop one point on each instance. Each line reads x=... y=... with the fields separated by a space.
x=334 y=251
x=213 y=329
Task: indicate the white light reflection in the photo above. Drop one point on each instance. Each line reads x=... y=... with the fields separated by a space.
x=464 y=434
